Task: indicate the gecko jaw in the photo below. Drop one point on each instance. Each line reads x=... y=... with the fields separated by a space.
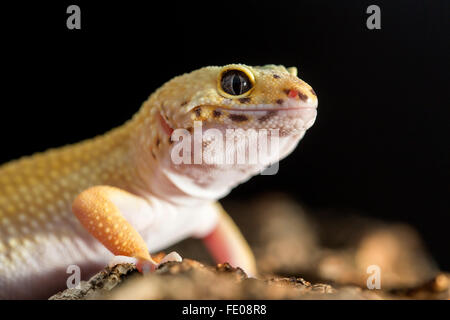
x=263 y=109
x=258 y=107
x=289 y=105
x=303 y=113
x=288 y=119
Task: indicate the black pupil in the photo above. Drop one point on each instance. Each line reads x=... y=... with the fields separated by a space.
x=235 y=82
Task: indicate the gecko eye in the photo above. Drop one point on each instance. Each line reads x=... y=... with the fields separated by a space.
x=235 y=82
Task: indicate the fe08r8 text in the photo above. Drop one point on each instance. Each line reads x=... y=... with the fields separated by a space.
x=231 y=309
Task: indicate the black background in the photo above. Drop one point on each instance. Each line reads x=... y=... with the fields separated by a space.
x=380 y=144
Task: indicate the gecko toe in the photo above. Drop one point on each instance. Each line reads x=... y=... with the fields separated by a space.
x=173 y=256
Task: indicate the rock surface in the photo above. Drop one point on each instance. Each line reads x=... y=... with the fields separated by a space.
x=192 y=280
x=330 y=249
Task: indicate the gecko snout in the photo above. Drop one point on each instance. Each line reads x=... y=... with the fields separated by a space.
x=303 y=95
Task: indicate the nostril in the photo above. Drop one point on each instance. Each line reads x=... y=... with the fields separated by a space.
x=292 y=93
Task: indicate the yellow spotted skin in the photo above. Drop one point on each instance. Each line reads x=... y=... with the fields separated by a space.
x=36 y=195
x=119 y=194
x=42 y=187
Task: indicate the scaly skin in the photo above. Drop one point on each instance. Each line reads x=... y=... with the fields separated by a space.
x=120 y=194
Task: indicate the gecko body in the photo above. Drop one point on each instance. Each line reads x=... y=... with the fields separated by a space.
x=122 y=194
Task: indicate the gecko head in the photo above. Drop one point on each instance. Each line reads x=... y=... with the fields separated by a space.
x=238 y=101
x=239 y=96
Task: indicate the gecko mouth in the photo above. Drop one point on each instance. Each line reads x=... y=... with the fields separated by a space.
x=304 y=111
x=288 y=118
x=204 y=112
x=260 y=107
x=256 y=109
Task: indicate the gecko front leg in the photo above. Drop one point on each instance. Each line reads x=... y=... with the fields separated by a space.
x=227 y=244
x=100 y=210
